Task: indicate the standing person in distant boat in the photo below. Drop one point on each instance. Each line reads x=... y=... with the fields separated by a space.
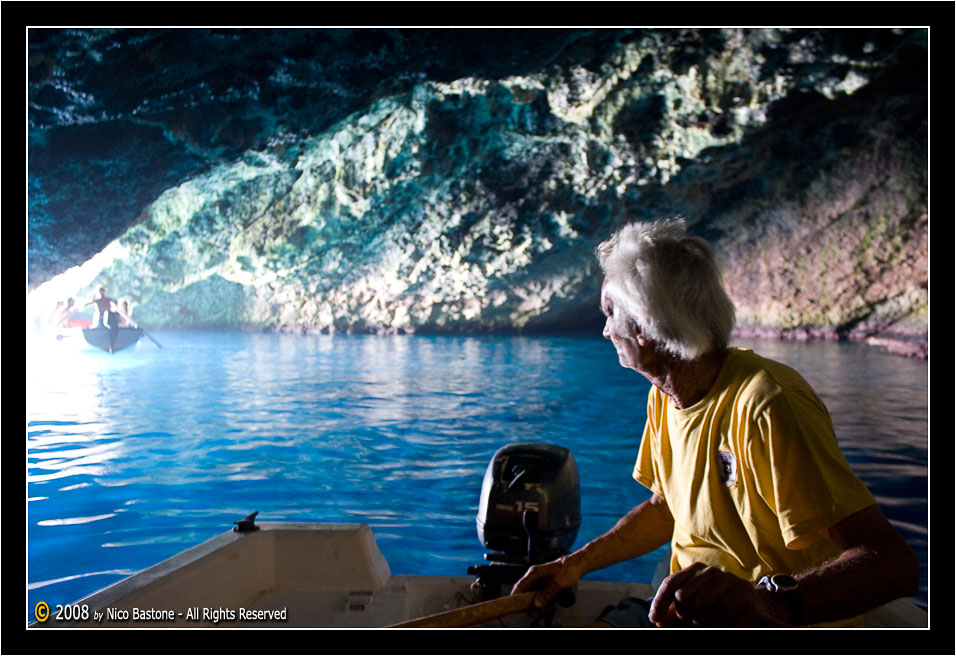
x=767 y=524
x=104 y=306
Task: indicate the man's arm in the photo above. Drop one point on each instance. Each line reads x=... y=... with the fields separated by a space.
x=642 y=530
x=874 y=567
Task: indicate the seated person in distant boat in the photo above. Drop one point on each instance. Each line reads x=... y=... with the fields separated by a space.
x=767 y=524
x=62 y=313
x=123 y=310
x=57 y=315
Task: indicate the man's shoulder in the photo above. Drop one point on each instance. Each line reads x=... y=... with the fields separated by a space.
x=760 y=378
x=751 y=365
x=764 y=381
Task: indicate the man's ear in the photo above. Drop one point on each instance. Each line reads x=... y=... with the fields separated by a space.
x=636 y=332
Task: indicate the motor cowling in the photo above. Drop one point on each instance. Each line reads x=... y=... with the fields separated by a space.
x=530 y=506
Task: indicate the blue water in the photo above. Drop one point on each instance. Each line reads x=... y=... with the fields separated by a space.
x=136 y=456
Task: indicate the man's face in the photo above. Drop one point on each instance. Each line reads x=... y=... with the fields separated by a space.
x=623 y=332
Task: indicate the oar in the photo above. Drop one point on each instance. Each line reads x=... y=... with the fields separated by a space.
x=472 y=615
x=151 y=339
x=148 y=335
x=136 y=325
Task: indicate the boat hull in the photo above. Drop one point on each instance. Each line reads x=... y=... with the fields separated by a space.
x=112 y=341
x=331 y=576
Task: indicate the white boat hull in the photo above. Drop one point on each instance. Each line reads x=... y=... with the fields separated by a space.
x=324 y=575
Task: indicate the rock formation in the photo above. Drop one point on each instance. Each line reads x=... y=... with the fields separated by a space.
x=459 y=180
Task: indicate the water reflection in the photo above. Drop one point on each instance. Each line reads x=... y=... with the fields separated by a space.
x=135 y=457
x=878 y=404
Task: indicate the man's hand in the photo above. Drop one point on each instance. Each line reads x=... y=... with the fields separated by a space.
x=645 y=528
x=706 y=596
x=548 y=580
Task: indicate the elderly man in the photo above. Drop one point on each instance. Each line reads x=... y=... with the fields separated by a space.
x=767 y=522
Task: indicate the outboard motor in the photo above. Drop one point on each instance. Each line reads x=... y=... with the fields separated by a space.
x=529 y=512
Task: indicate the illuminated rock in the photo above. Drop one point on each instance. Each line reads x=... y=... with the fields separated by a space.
x=396 y=181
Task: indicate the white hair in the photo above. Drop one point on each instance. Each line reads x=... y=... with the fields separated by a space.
x=667 y=282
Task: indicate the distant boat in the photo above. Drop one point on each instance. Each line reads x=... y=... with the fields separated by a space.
x=112 y=341
x=77 y=322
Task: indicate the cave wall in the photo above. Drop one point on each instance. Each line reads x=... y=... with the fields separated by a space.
x=459 y=180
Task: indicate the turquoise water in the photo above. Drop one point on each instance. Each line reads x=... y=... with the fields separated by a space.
x=134 y=457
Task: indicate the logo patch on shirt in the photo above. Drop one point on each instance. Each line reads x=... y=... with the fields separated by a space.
x=728 y=468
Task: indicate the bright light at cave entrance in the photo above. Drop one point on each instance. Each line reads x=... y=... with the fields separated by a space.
x=42 y=301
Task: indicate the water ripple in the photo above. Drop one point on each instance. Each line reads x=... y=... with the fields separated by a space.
x=132 y=460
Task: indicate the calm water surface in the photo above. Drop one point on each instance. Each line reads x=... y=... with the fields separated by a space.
x=134 y=457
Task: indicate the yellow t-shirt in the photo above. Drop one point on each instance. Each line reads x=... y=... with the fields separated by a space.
x=752 y=473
